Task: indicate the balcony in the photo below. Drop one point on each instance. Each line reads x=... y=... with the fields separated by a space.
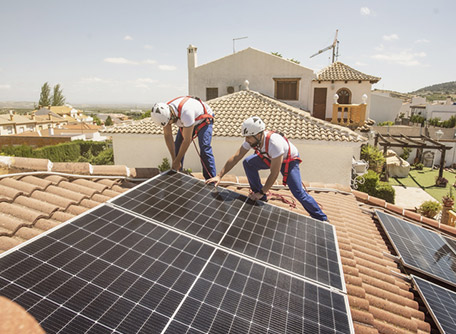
x=349 y=115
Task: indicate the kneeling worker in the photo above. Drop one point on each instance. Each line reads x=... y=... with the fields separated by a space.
x=274 y=152
x=194 y=119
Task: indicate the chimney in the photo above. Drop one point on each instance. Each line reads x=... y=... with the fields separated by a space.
x=51 y=131
x=192 y=62
x=33 y=115
x=11 y=115
x=50 y=116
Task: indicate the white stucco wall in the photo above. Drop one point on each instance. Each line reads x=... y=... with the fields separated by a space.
x=357 y=90
x=444 y=112
x=384 y=108
x=258 y=67
x=322 y=162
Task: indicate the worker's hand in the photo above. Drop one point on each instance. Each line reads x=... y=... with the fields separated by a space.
x=216 y=180
x=176 y=165
x=255 y=196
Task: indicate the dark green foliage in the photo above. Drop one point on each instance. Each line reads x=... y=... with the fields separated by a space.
x=386 y=123
x=405 y=153
x=96 y=153
x=429 y=208
x=164 y=165
x=374 y=156
x=419 y=166
x=417 y=119
x=374 y=187
x=45 y=95
x=108 y=121
x=447 y=87
x=57 y=98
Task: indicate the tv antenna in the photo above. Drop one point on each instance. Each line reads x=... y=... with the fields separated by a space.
x=235 y=39
x=334 y=46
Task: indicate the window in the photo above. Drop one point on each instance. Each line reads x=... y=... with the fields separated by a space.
x=344 y=96
x=286 y=89
x=211 y=93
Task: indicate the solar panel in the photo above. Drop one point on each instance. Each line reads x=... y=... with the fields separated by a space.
x=440 y=303
x=113 y=271
x=420 y=249
x=290 y=241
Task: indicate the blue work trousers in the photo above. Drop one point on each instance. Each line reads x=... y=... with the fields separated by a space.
x=207 y=158
x=253 y=163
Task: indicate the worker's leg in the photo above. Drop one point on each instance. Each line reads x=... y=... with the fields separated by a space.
x=207 y=157
x=295 y=184
x=177 y=145
x=252 y=164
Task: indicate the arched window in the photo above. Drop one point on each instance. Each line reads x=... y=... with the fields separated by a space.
x=344 y=96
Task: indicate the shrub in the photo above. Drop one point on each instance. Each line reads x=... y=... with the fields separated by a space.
x=419 y=166
x=164 y=166
x=386 y=123
x=105 y=157
x=430 y=208
x=374 y=156
x=405 y=153
x=385 y=191
x=374 y=187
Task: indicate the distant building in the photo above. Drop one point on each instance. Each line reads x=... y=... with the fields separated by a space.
x=11 y=124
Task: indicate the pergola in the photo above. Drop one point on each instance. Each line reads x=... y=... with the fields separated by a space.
x=418 y=142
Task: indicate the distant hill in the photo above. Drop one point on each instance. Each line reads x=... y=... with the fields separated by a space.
x=448 y=88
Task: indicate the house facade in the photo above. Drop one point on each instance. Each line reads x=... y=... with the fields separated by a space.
x=281 y=79
x=325 y=149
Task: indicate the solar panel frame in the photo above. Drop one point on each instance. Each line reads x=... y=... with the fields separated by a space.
x=331 y=278
x=83 y=323
x=434 y=297
x=415 y=254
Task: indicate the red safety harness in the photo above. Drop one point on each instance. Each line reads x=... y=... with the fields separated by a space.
x=267 y=159
x=208 y=118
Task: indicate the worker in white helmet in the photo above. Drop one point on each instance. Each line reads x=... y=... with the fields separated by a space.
x=272 y=151
x=194 y=119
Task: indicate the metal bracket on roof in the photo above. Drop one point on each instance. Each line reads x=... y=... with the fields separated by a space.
x=401 y=276
x=395 y=258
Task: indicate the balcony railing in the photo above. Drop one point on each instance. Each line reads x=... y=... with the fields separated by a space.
x=350 y=115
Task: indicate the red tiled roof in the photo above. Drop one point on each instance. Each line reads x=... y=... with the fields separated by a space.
x=380 y=300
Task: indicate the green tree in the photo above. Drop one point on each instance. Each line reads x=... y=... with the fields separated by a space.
x=45 y=95
x=108 y=121
x=57 y=98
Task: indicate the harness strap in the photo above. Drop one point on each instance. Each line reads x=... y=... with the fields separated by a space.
x=205 y=116
x=267 y=160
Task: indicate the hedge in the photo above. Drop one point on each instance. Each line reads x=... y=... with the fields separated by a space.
x=374 y=187
x=94 y=152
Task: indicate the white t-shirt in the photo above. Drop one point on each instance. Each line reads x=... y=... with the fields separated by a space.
x=277 y=146
x=191 y=109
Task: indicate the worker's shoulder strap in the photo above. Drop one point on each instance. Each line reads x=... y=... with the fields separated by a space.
x=185 y=99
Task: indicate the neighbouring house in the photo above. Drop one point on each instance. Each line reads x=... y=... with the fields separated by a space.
x=326 y=149
x=69 y=113
x=384 y=107
x=286 y=81
x=12 y=123
x=381 y=297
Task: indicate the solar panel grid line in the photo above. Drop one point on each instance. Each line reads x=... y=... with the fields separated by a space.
x=439 y=301
x=420 y=249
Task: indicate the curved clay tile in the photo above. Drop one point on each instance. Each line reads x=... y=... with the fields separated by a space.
x=25 y=187
x=15 y=319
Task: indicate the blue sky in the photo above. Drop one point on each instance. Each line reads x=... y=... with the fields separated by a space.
x=110 y=51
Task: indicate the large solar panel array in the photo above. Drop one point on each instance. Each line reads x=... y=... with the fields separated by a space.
x=420 y=249
x=441 y=303
x=126 y=268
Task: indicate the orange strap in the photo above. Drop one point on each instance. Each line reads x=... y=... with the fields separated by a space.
x=267 y=160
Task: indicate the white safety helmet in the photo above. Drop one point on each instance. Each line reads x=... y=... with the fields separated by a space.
x=252 y=126
x=160 y=113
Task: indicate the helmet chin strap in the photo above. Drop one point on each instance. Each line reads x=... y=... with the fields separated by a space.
x=258 y=141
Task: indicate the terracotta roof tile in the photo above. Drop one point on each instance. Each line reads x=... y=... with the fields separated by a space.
x=8 y=194
x=19 y=185
x=62 y=216
x=15 y=319
x=10 y=224
x=80 y=168
x=55 y=179
x=110 y=193
x=28 y=232
x=66 y=193
x=143 y=172
x=231 y=110
x=31 y=163
x=37 y=181
x=101 y=198
x=46 y=224
x=76 y=209
x=340 y=72
x=36 y=204
x=90 y=184
x=89 y=203
x=22 y=212
x=9 y=242
x=77 y=188
x=110 y=170
x=51 y=198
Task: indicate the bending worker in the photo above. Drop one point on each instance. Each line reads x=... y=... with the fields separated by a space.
x=274 y=152
x=194 y=119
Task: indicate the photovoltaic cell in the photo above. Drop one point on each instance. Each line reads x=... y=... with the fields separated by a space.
x=105 y=272
x=185 y=203
x=420 y=249
x=122 y=269
x=440 y=302
x=293 y=242
x=235 y=295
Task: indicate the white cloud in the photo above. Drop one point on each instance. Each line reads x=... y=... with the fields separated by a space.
x=358 y=63
x=381 y=47
x=167 y=67
x=391 y=37
x=146 y=80
x=365 y=11
x=406 y=58
x=148 y=47
x=149 y=61
x=5 y=86
x=128 y=38
x=422 y=41
x=89 y=80
x=120 y=60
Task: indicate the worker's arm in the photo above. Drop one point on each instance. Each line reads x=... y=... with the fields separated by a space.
x=230 y=163
x=276 y=164
x=187 y=134
x=168 y=134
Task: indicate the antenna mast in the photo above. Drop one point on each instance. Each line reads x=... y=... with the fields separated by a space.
x=235 y=39
x=333 y=46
